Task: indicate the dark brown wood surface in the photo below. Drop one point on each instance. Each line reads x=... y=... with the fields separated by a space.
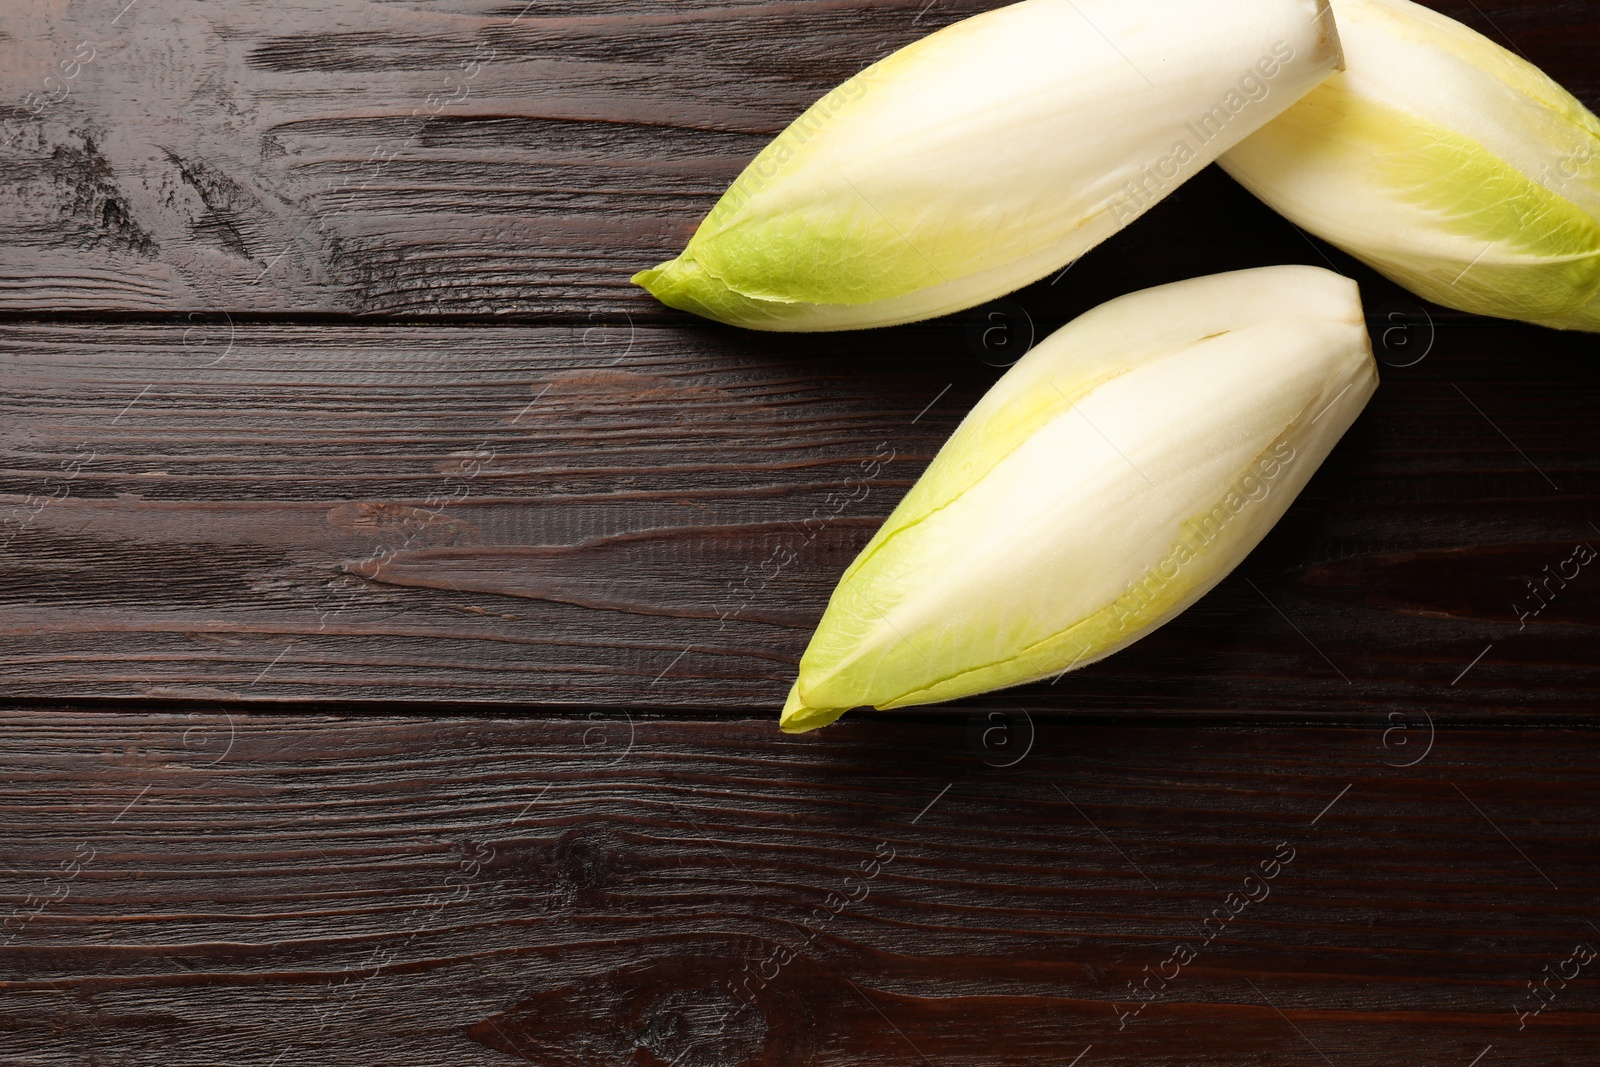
x=586 y=890
x=479 y=157
x=390 y=643
x=592 y=515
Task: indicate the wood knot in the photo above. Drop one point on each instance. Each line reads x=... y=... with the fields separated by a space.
x=686 y=1009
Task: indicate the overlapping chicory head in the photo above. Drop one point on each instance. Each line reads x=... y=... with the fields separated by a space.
x=1449 y=164
x=989 y=155
x=1107 y=482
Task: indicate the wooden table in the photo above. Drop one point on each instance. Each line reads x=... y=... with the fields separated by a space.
x=391 y=674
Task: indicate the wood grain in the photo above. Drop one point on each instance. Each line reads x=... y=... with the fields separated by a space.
x=474 y=157
x=222 y=890
x=648 y=516
x=581 y=542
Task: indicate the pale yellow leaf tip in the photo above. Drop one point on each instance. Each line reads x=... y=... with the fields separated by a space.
x=685 y=284
x=799 y=719
x=989 y=155
x=1107 y=482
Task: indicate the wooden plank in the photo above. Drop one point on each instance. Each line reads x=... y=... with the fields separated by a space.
x=220 y=890
x=481 y=157
x=565 y=516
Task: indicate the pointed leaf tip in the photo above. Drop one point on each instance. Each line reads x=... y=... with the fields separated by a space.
x=991 y=154
x=1108 y=481
x=647 y=279
x=797 y=718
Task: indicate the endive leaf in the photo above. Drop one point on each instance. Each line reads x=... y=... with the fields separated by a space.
x=1116 y=474
x=1445 y=162
x=989 y=155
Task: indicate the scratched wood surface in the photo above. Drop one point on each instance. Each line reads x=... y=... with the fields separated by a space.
x=394 y=603
x=479 y=157
x=656 y=517
x=209 y=889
